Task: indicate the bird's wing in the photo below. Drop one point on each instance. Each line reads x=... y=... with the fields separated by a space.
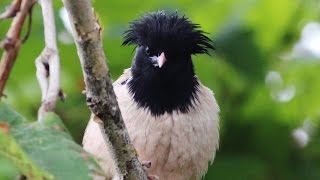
x=123 y=78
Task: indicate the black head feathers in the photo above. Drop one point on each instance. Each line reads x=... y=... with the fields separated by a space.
x=160 y=30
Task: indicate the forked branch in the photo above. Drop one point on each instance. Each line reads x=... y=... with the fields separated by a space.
x=48 y=65
x=19 y=10
x=12 y=10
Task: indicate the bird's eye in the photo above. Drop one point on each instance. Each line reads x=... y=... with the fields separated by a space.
x=147 y=51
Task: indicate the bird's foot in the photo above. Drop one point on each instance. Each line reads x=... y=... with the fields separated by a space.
x=147 y=165
x=153 y=177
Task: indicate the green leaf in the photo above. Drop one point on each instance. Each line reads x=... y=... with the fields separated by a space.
x=44 y=149
x=11 y=150
x=10 y=116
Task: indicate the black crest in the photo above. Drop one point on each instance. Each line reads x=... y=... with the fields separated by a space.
x=161 y=29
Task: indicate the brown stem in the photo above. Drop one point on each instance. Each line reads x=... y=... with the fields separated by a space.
x=29 y=26
x=11 y=10
x=101 y=98
x=12 y=42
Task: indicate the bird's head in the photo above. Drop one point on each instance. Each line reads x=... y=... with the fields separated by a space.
x=165 y=42
x=163 y=78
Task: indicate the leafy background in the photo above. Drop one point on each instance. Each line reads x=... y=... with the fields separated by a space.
x=269 y=96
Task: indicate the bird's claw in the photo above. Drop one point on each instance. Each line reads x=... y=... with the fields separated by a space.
x=153 y=177
x=147 y=164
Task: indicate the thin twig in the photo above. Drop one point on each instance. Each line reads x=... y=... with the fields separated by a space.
x=48 y=63
x=11 y=11
x=29 y=26
x=101 y=98
x=12 y=42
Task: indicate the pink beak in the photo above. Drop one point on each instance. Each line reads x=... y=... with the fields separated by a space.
x=161 y=59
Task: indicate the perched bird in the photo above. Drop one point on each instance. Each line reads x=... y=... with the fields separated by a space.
x=172 y=119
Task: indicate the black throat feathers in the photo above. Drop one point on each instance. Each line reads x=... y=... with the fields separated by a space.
x=164 y=91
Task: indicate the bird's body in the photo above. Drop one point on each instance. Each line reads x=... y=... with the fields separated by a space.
x=172 y=119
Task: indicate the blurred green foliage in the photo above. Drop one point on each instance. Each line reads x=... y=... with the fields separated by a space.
x=43 y=149
x=251 y=38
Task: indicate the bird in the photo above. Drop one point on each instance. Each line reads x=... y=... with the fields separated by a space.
x=172 y=118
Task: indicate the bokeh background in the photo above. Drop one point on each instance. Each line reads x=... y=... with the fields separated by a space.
x=264 y=72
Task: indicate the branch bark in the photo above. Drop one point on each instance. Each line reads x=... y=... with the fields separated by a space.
x=20 y=10
x=48 y=63
x=101 y=98
x=12 y=10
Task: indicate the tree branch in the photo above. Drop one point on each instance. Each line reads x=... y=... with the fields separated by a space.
x=99 y=90
x=20 y=10
x=12 y=10
x=48 y=63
